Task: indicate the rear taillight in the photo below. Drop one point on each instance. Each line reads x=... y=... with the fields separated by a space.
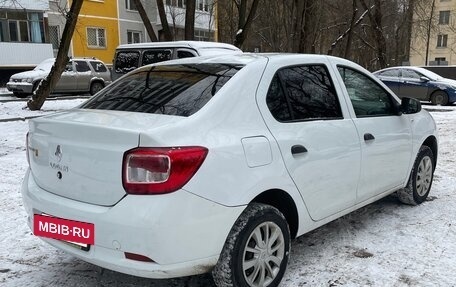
x=160 y=170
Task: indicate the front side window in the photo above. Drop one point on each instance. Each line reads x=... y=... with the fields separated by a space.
x=368 y=98
x=309 y=94
x=126 y=61
x=169 y=89
x=155 y=56
x=96 y=37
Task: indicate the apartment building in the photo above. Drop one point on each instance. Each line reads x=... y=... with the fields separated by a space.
x=434 y=34
x=23 y=33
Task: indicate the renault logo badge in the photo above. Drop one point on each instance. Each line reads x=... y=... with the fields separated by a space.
x=58 y=153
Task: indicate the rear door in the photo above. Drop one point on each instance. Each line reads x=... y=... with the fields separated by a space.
x=83 y=74
x=318 y=141
x=385 y=136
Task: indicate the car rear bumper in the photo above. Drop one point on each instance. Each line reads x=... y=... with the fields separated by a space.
x=182 y=233
x=19 y=87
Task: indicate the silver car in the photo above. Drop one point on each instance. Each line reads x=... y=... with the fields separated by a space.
x=81 y=75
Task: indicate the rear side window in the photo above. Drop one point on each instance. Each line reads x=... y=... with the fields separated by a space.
x=82 y=66
x=155 y=56
x=170 y=90
x=309 y=94
x=98 y=66
x=126 y=61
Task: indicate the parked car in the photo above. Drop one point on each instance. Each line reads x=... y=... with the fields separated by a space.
x=419 y=83
x=215 y=164
x=81 y=75
x=131 y=56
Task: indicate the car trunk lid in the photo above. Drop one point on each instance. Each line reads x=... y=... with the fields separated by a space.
x=79 y=154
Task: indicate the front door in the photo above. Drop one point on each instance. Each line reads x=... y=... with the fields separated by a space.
x=319 y=144
x=67 y=80
x=84 y=75
x=385 y=135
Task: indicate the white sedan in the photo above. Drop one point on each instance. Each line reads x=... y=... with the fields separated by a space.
x=215 y=164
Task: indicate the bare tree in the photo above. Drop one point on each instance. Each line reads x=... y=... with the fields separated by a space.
x=190 y=10
x=164 y=21
x=47 y=85
x=245 y=20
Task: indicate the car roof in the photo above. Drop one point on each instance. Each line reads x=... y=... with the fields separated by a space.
x=418 y=69
x=180 y=44
x=248 y=58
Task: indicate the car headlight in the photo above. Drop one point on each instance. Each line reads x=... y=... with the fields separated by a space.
x=27 y=80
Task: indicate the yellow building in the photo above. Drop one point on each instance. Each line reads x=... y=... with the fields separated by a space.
x=97 y=30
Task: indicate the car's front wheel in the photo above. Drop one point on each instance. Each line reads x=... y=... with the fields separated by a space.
x=256 y=251
x=439 y=98
x=420 y=180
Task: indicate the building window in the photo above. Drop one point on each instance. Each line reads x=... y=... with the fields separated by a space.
x=442 y=41
x=130 y=5
x=176 y=3
x=203 y=5
x=54 y=36
x=441 y=61
x=444 y=17
x=201 y=35
x=18 y=26
x=96 y=37
x=133 y=37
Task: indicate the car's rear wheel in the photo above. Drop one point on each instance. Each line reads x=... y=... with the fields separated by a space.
x=256 y=251
x=420 y=180
x=439 y=98
x=95 y=87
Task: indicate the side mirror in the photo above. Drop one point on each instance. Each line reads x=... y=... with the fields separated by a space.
x=424 y=79
x=410 y=106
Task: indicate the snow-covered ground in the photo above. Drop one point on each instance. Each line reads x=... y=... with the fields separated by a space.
x=383 y=244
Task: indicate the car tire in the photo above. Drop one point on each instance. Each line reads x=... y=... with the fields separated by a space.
x=95 y=87
x=439 y=98
x=19 y=95
x=420 y=180
x=248 y=257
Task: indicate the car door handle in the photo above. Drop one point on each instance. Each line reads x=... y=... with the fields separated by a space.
x=368 y=137
x=297 y=149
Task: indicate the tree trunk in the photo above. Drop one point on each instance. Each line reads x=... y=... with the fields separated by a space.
x=47 y=85
x=190 y=19
x=377 y=30
x=146 y=21
x=243 y=30
x=164 y=21
x=350 y=33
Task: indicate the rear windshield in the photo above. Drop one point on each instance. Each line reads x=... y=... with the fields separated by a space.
x=178 y=90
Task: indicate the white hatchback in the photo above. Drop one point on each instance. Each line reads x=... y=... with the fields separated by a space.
x=215 y=164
